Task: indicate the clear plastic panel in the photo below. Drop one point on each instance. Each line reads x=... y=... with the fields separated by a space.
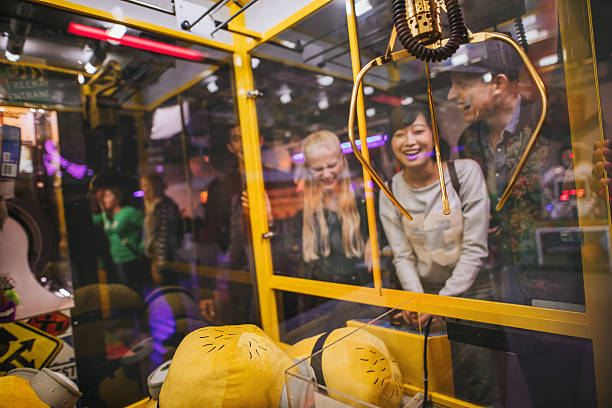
x=467 y=363
x=346 y=365
x=487 y=107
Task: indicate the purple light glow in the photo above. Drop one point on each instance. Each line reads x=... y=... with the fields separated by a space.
x=159 y=169
x=138 y=194
x=54 y=162
x=433 y=152
x=346 y=148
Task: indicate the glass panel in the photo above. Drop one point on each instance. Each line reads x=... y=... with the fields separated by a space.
x=121 y=152
x=35 y=256
x=314 y=185
x=301 y=316
x=487 y=107
x=467 y=363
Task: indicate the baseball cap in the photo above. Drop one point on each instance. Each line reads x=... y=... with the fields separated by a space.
x=491 y=56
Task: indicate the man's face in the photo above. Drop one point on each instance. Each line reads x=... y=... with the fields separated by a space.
x=235 y=143
x=473 y=96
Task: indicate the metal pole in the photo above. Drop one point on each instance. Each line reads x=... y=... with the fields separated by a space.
x=226 y=22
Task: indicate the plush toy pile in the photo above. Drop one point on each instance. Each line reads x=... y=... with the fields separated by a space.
x=240 y=366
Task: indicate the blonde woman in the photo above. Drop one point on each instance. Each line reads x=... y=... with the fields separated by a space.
x=335 y=245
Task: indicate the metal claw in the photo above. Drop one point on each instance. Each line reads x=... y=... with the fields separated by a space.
x=390 y=57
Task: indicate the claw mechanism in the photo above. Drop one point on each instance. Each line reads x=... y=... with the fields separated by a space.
x=417 y=26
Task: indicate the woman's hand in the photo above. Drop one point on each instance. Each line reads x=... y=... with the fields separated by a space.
x=419 y=320
x=437 y=323
x=412 y=318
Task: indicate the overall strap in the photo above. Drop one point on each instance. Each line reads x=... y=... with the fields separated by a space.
x=316 y=361
x=453 y=175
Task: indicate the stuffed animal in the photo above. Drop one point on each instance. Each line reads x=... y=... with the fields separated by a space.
x=359 y=365
x=225 y=366
x=8 y=300
x=30 y=388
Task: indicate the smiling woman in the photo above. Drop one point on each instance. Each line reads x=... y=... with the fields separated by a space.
x=437 y=253
x=331 y=221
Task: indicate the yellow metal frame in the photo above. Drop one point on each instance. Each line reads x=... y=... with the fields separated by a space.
x=580 y=68
x=583 y=96
x=247 y=114
x=131 y=22
x=363 y=134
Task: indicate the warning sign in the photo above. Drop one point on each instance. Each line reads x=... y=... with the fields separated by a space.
x=22 y=345
x=55 y=323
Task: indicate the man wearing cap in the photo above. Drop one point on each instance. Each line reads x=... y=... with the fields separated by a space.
x=501 y=123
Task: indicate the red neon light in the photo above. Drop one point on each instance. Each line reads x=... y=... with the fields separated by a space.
x=566 y=193
x=136 y=42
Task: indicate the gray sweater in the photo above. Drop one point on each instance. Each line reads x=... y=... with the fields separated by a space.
x=439 y=253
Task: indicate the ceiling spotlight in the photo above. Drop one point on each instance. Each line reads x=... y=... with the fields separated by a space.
x=18 y=32
x=325 y=80
x=211 y=83
x=11 y=57
x=323 y=102
x=370 y=112
x=212 y=87
x=117 y=31
x=90 y=68
x=285 y=94
x=362 y=7
x=81 y=79
x=368 y=90
x=255 y=62
x=548 y=60
x=97 y=58
x=285 y=98
x=407 y=101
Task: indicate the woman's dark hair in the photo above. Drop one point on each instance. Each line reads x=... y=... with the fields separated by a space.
x=403 y=116
x=118 y=193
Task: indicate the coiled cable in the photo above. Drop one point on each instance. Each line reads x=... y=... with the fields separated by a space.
x=520 y=32
x=414 y=46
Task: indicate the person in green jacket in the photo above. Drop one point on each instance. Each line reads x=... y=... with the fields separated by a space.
x=123 y=227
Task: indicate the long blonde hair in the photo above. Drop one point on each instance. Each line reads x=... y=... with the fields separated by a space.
x=314 y=215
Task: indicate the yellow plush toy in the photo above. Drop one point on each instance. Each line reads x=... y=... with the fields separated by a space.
x=359 y=365
x=225 y=366
x=15 y=392
x=30 y=388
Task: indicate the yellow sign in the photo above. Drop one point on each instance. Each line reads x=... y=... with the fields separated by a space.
x=22 y=345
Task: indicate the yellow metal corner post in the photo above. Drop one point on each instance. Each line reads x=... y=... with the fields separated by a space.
x=262 y=254
x=363 y=134
x=584 y=108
